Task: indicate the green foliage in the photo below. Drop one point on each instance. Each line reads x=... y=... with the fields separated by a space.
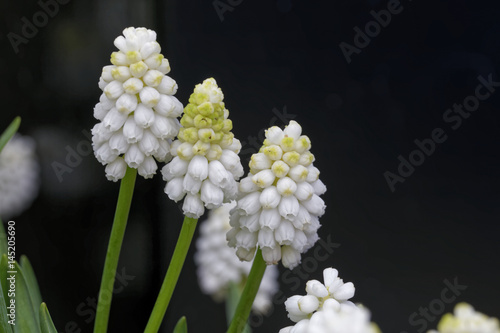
x=181 y=326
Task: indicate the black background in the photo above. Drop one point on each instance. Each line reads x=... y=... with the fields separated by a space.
x=397 y=248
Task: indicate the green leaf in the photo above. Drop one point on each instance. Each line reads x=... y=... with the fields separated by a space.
x=26 y=320
x=181 y=326
x=3 y=276
x=3 y=239
x=9 y=132
x=46 y=323
x=29 y=275
x=4 y=325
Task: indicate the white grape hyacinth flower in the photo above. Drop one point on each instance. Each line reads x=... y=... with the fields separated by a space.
x=466 y=320
x=218 y=265
x=336 y=319
x=326 y=308
x=333 y=292
x=206 y=164
x=19 y=176
x=279 y=205
x=137 y=109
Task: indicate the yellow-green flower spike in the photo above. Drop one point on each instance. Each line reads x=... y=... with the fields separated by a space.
x=205 y=121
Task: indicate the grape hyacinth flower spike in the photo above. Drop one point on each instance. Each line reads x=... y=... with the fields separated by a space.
x=279 y=207
x=206 y=164
x=137 y=109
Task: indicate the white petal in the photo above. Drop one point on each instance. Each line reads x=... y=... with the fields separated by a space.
x=249 y=204
x=131 y=131
x=167 y=86
x=165 y=128
x=313 y=174
x=114 y=89
x=126 y=103
x=315 y=205
x=270 y=218
x=264 y=178
x=298 y=173
x=144 y=116
x=308 y=303
x=116 y=170
x=316 y=288
x=149 y=96
x=134 y=156
x=246 y=239
x=198 y=167
x=285 y=233
x=290 y=257
x=270 y=198
x=319 y=187
x=247 y=185
x=251 y=222
x=271 y=255
x=175 y=189
x=114 y=120
x=218 y=174
x=193 y=206
x=289 y=207
x=153 y=78
x=266 y=238
x=118 y=143
x=191 y=185
x=293 y=130
x=148 y=168
x=229 y=159
x=274 y=135
x=211 y=195
x=245 y=254
x=329 y=276
x=344 y=292
x=304 y=191
x=132 y=86
x=149 y=143
x=286 y=186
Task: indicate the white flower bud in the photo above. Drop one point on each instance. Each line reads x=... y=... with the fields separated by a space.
x=285 y=233
x=313 y=174
x=266 y=238
x=149 y=48
x=251 y=222
x=106 y=73
x=114 y=120
x=184 y=150
x=190 y=184
x=116 y=170
x=106 y=103
x=218 y=174
x=118 y=59
x=303 y=218
x=249 y=204
x=193 y=206
x=316 y=288
x=292 y=130
x=247 y=185
x=246 y=239
x=153 y=78
x=345 y=292
x=211 y=195
x=154 y=61
x=244 y=254
x=330 y=275
x=270 y=198
x=114 y=89
x=271 y=255
x=131 y=131
x=166 y=106
x=280 y=169
x=133 y=86
x=300 y=241
x=126 y=103
x=229 y=159
x=121 y=73
x=286 y=186
x=164 y=127
x=298 y=173
x=319 y=187
x=315 y=205
x=164 y=67
x=104 y=154
x=144 y=116
x=167 y=86
x=134 y=156
x=149 y=96
x=174 y=189
x=198 y=167
x=292 y=307
x=138 y=69
x=118 y=143
x=274 y=135
x=308 y=303
x=304 y=191
x=290 y=257
x=148 y=168
x=264 y=178
x=270 y=218
x=149 y=143
x=289 y=207
x=99 y=112
x=260 y=161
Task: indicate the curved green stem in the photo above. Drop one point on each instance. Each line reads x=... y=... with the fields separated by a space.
x=114 y=247
x=173 y=272
x=248 y=296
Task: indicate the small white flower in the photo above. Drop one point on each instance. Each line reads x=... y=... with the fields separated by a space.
x=19 y=176
x=466 y=320
x=207 y=148
x=218 y=265
x=279 y=191
x=137 y=109
x=322 y=311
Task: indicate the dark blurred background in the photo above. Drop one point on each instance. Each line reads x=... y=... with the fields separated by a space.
x=275 y=61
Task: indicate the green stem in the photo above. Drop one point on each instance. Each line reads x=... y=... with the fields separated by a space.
x=114 y=247
x=232 y=302
x=252 y=286
x=173 y=272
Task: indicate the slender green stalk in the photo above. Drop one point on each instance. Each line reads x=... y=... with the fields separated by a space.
x=232 y=302
x=173 y=272
x=114 y=247
x=248 y=296
x=9 y=132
